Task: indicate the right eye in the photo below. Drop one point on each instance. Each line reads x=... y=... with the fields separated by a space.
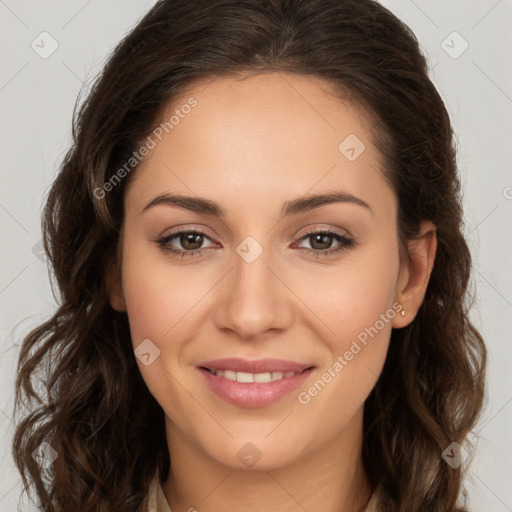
x=190 y=240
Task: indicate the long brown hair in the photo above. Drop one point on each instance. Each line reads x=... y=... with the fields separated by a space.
x=77 y=374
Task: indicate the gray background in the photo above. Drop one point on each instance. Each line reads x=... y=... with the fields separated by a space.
x=37 y=96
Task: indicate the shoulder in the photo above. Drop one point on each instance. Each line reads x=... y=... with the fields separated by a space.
x=150 y=502
x=156 y=500
x=372 y=504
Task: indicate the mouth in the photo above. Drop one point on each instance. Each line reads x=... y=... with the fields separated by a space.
x=260 y=378
x=253 y=384
x=255 y=366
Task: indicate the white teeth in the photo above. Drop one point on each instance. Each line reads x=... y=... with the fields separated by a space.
x=245 y=377
x=262 y=377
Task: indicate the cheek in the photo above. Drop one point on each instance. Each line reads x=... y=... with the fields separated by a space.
x=157 y=304
x=350 y=296
x=157 y=295
x=360 y=312
x=356 y=304
x=145 y=303
x=162 y=304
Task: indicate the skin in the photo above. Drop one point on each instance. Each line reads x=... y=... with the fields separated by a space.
x=251 y=145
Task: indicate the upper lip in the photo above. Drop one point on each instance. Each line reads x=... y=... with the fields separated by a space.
x=255 y=366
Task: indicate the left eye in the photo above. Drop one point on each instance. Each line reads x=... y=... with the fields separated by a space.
x=191 y=242
x=319 y=237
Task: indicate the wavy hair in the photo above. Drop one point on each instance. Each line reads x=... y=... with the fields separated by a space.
x=77 y=375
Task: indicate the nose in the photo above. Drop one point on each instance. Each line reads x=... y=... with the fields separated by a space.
x=254 y=297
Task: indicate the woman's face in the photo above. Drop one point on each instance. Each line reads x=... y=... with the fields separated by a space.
x=256 y=282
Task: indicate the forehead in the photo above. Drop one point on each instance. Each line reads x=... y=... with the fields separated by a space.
x=262 y=133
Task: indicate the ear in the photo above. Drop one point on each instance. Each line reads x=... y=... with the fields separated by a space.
x=415 y=273
x=114 y=287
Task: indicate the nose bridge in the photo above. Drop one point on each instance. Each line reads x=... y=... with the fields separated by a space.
x=253 y=299
x=252 y=262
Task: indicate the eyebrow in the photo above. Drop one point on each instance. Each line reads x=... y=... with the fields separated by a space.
x=293 y=207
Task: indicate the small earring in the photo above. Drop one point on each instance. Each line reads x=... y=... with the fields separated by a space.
x=402 y=312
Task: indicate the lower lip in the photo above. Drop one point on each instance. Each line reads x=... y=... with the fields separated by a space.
x=254 y=394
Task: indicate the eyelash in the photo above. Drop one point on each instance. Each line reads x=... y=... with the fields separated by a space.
x=345 y=243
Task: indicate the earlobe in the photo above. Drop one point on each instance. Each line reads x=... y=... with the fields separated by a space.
x=415 y=273
x=114 y=288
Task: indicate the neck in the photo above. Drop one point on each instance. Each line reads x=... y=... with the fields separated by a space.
x=331 y=479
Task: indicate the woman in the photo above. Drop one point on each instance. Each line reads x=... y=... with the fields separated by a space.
x=257 y=241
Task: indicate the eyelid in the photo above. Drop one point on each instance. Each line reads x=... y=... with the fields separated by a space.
x=319 y=229
x=187 y=228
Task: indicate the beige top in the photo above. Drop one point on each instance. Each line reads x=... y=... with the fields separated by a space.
x=158 y=502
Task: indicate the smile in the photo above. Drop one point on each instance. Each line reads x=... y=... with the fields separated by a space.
x=245 y=377
x=254 y=390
